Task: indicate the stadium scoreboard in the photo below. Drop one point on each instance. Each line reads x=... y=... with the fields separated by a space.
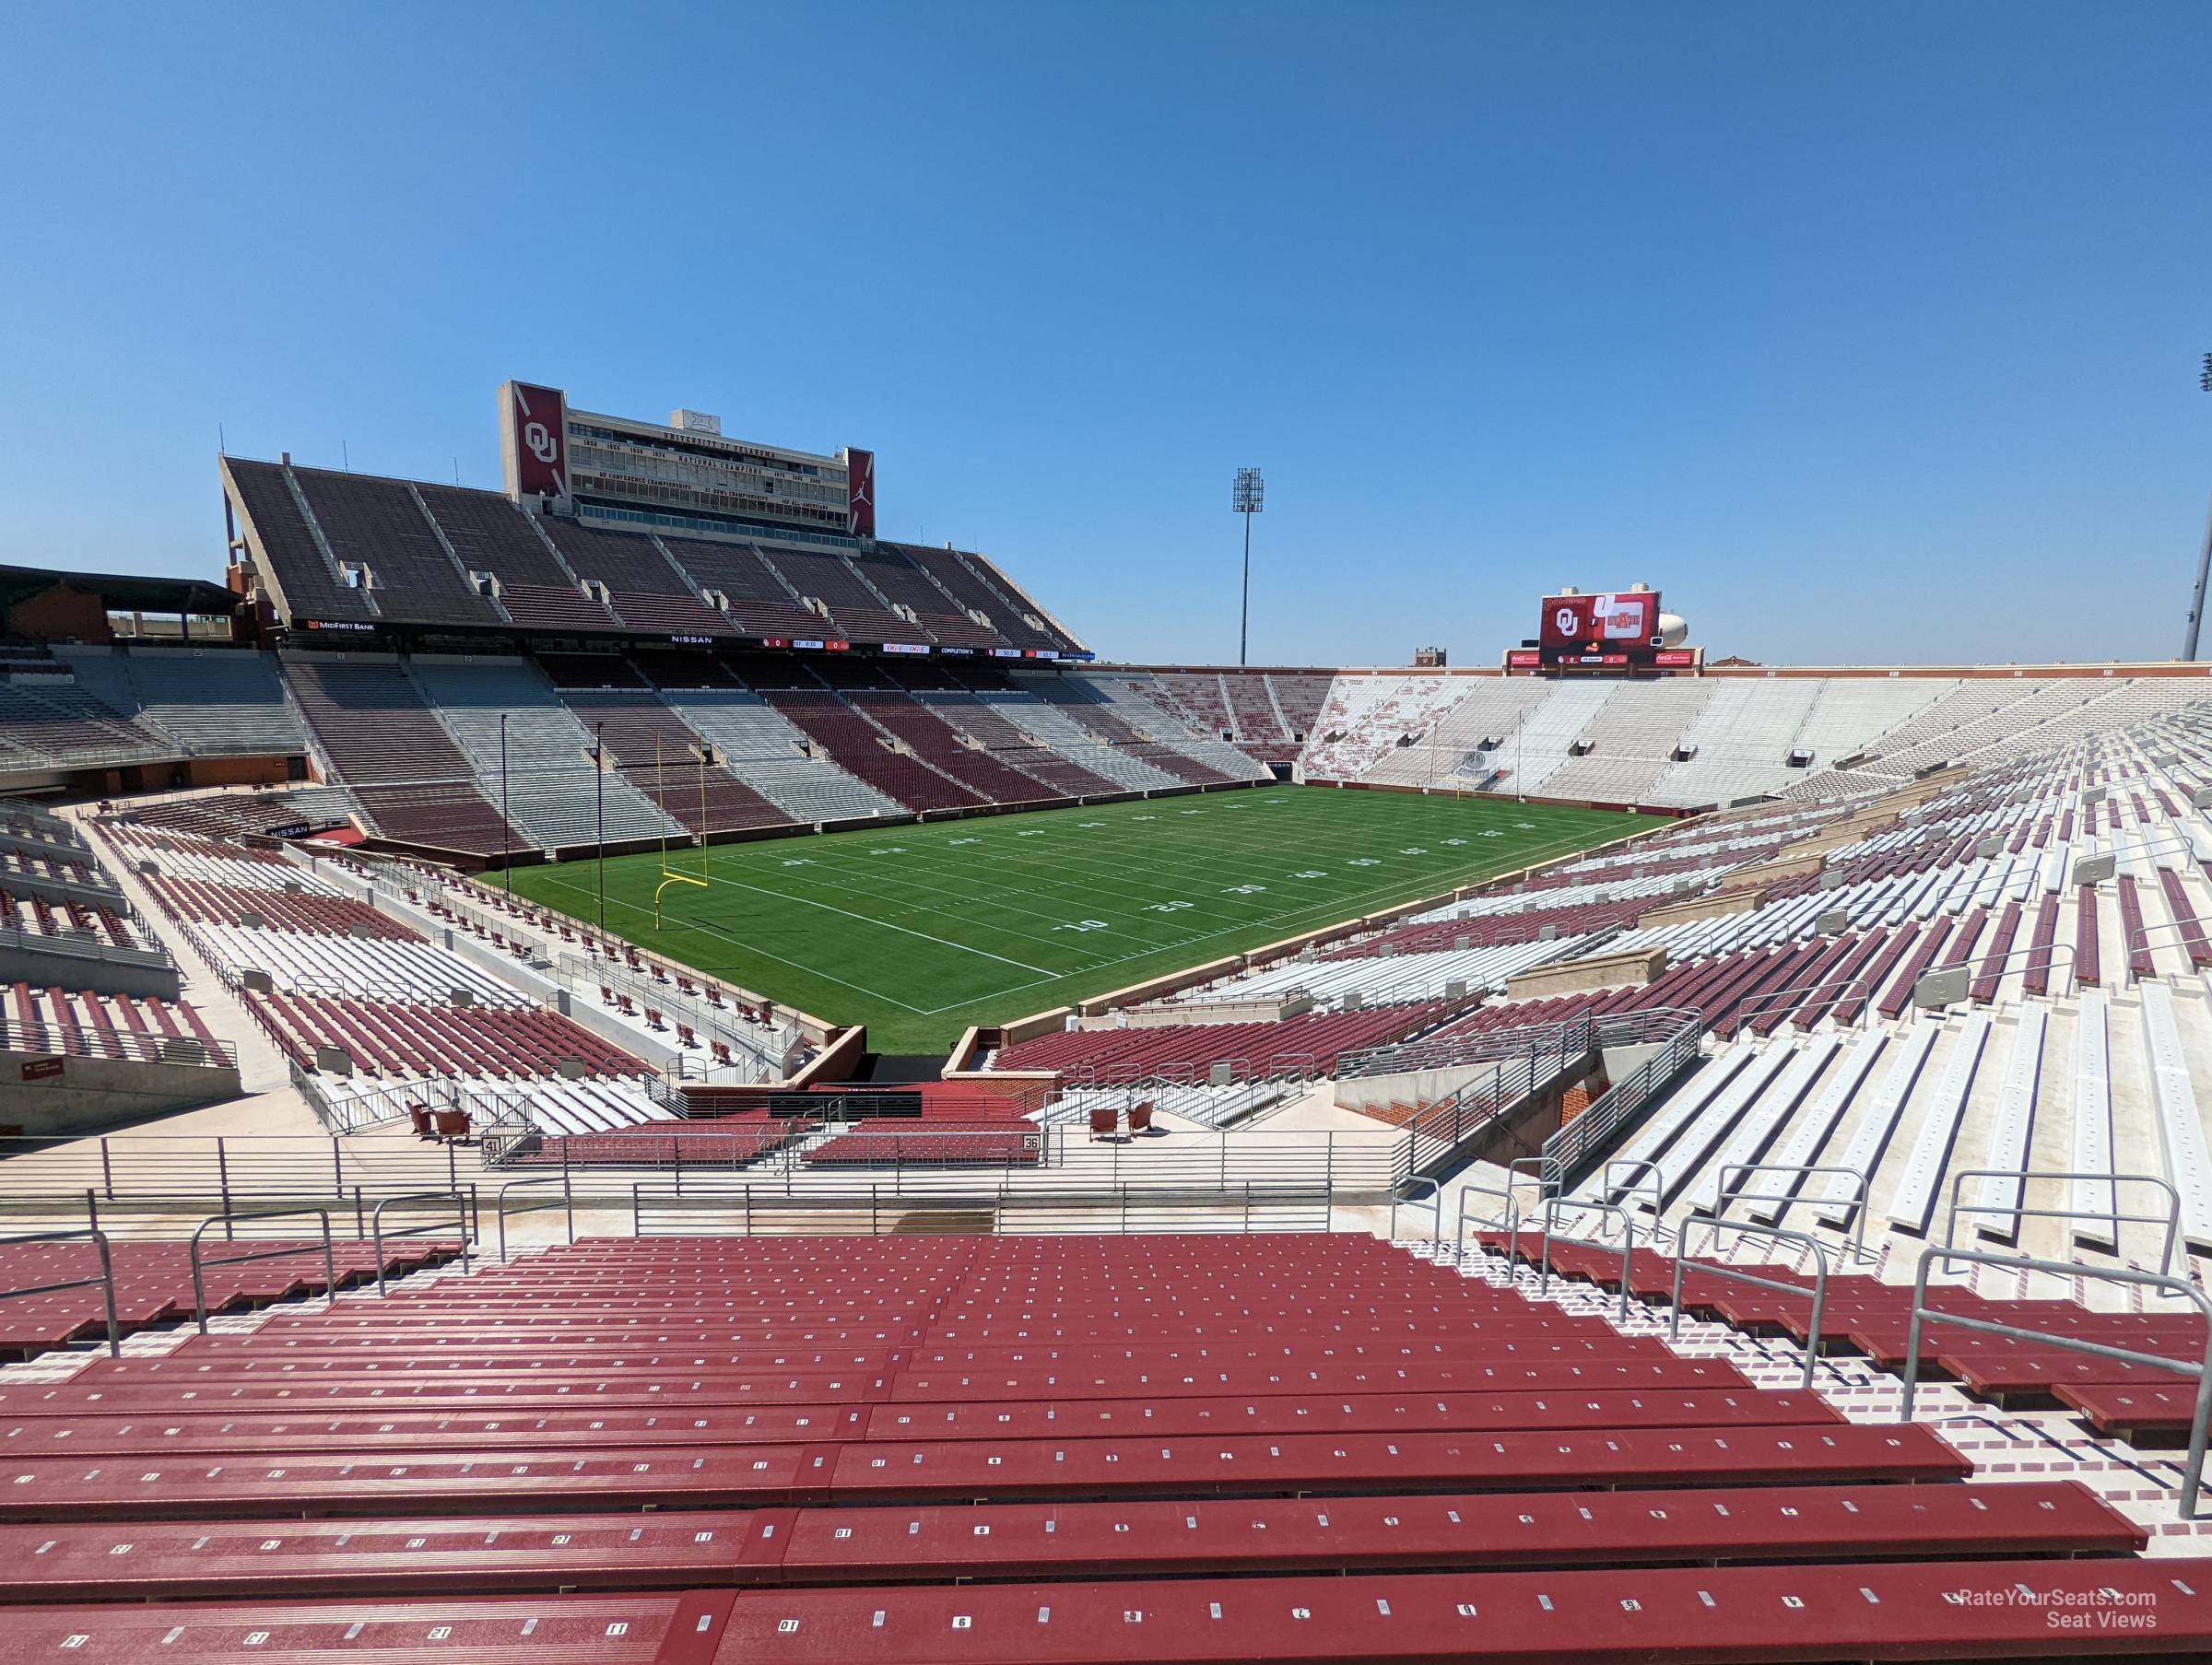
x=1612 y=630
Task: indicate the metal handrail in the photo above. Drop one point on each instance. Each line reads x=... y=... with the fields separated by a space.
x=199 y=1262
x=1510 y=1220
x=106 y=1280
x=2171 y=1219
x=567 y=1202
x=1627 y=1246
x=1642 y=1169
x=2200 y=1417
x=1776 y=1233
x=376 y=1226
x=1724 y=1198
x=1436 y=1199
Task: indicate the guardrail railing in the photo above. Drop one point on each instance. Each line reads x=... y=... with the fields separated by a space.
x=2020 y=1209
x=1118 y=1211
x=566 y=1202
x=462 y=1202
x=1590 y=1134
x=2200 y=1417
x=105 y=1281
x=1773 y=1234
x=228 y=1221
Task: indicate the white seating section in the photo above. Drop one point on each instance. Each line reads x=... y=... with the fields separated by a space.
x=769 y=755
x=1689 y=743
x=1079 y=745
x=1390 y=981
x=358 y=968
x=1155 y=716
x=546 y=788
x=213 y=701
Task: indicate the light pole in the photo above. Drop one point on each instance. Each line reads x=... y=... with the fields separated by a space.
x=1249 y=497
x=2204 y=561
x=506 y=825
x=599 y=782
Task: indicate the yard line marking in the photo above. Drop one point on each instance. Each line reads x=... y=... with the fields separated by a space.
x=887 y=925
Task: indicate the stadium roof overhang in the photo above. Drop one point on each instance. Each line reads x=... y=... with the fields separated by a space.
x=122 y=592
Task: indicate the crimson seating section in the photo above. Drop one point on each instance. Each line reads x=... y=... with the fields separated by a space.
x=959 y=708
x=487 y=535
x=861 y=748
x=310 y=584
x=379 y=524
x=385 y=1036
x=1492 y=931
x=724 y=1142
x=398 y=1038
x=234 y=817
x=643 y=588
x=1307 y=1045
x=1171 y=1449
x=892 y=573
x=946 y=1140
x=1265 y=714
x=929 y=738
x=976 y=586
x=760 y=603
x=77 y=1024
x=153 y=1283
x=856 y=612
x=386 y=743
x=38 y=916
x=308 y=915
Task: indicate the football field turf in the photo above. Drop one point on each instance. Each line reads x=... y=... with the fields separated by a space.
x=920 y=931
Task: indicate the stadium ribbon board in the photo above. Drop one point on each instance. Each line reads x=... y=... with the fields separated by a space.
x=918 y=931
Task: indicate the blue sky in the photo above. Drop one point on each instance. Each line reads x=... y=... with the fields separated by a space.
x=1866 y=333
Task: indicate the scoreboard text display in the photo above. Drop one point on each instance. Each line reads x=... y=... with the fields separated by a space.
x=1602 y=629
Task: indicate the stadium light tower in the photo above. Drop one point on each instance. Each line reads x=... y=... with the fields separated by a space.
x=2204 y=561
x=1249 y=497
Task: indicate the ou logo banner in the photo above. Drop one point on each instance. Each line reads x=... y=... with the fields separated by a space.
x=542 y=444
x=1565 y=621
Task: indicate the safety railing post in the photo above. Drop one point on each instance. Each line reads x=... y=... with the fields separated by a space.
x=1436 y=1199
x=106 y=1278
x=2200 y=1425
x=222 y=1169
x=107 y=1171
x=337 y=1169
x=1774 y=1233
x=200 y=1261
x=2171 y=1219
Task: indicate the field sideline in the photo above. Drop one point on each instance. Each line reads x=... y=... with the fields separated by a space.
x=920 y=931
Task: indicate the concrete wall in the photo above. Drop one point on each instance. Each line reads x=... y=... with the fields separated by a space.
x=92 y=971
x=1636 y=967
x=91 y=1094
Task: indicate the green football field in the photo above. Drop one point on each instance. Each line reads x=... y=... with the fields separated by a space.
x=920 y=931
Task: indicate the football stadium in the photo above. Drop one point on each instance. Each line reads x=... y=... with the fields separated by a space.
x=866 y=1112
